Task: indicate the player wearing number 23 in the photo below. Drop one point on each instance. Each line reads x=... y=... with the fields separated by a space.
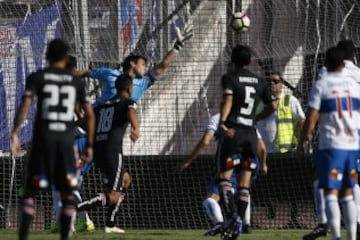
x=51 y=159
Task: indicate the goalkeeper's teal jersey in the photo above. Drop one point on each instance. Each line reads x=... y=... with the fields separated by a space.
x=108 y=77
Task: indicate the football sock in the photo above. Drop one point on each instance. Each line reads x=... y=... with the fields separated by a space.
x=242 y=200
x=248 y=213
x=112 y=210
x=333 y=214
x=27 y=215
x=213 y=210
x=319 y=200
x=68 y=210
x=356 y=191
x=349 y=210
x=227 y=197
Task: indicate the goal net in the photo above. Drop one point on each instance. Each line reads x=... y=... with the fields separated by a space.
x=289 y=36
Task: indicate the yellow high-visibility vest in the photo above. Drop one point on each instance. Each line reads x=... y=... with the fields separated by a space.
x=285 y=128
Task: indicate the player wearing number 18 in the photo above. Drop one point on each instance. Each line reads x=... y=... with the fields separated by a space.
x=51 y=159
x=112 y=118
x=242 y=91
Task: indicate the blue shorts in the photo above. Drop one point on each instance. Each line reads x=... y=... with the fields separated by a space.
x=214 y=188
x=358 y=163
x=80 y=143
x=336 y=169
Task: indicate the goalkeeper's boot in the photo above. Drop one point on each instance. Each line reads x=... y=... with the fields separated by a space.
x=320 y=230
x=114 y=229
x=215 y=230
x=85 y=226
x=358 y=231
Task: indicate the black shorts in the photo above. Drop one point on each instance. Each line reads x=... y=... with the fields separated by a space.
x=51 y=161
x=239 y=152
x=110 y=163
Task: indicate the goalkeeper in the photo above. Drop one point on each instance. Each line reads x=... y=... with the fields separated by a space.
x=211 y=202
x=135 y=67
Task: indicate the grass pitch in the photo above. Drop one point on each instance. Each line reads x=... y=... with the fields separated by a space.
x=160 y=235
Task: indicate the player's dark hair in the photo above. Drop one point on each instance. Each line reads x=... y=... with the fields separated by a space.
x=122 y=82
x=126 y=65
x=348 y=48
x=56 y=50
x=334 y=58
x=241 y=55
x=72 y=63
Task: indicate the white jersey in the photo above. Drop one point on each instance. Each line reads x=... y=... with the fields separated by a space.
x=337 y=99
x=350 y=68
x=213 y=125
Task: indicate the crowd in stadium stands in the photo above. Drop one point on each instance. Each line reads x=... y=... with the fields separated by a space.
x=256 y=120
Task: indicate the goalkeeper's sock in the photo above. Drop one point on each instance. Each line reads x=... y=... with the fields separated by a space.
x=100 y=200
x=65 y=219
x=349 y=210
x=27 y=215
x=356 y=191
x=213 y=210
x=112 y=211
x=333 y=214
x=319 y=200
x=243 y=196
x=247 y=216
x=227 y=197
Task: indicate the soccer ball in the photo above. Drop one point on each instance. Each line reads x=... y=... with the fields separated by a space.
x=240 y=22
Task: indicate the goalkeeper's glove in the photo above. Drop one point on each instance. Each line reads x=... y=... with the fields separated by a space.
x=183 y=36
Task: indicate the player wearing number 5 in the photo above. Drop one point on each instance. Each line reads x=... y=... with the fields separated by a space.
x=112 y=118
x=51 y=159
x=237 y=150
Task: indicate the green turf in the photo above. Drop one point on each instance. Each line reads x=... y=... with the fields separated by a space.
x=162 y=235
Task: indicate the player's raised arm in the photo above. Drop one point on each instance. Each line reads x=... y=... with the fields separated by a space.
x=203 y=142
x=181 y=38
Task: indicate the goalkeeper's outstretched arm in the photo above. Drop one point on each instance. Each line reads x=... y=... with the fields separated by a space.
x=181 y=38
